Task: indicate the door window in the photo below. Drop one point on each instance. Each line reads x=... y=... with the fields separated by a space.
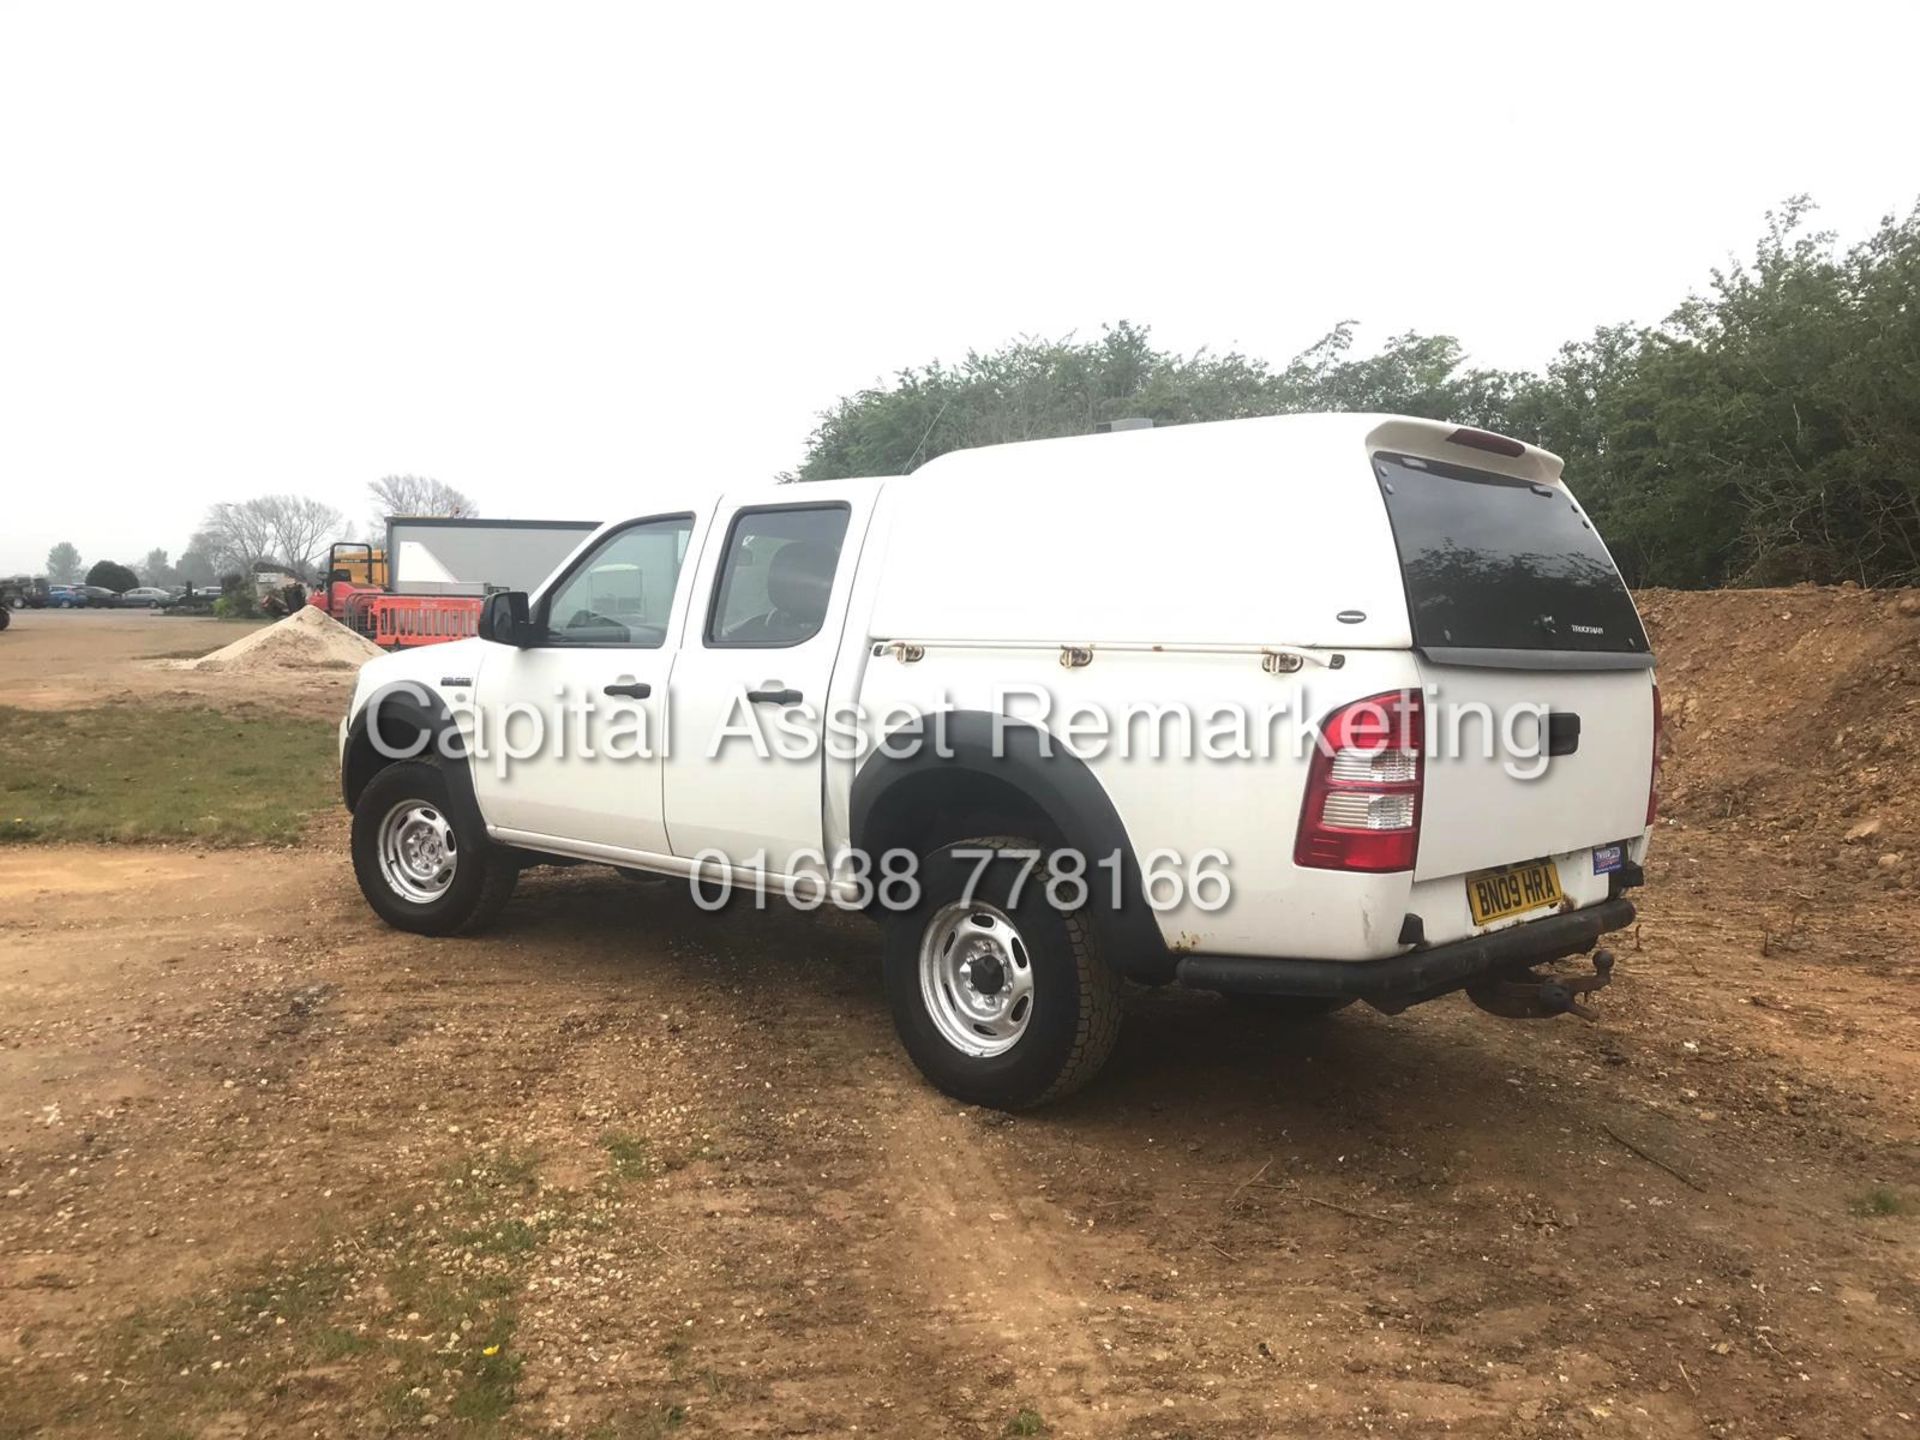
x=777 y=576
x=621 y=592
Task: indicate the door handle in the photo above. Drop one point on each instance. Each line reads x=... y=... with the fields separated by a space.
x=774 y=697
x=632 y=692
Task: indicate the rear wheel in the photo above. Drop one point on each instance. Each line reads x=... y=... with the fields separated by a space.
x=422 y=867
x=1000 y=998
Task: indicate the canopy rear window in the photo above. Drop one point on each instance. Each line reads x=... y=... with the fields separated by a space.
x=1494 y=564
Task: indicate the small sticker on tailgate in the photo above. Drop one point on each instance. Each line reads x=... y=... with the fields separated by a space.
x=1608 y=858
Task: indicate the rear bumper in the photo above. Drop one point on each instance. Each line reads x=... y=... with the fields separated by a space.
x=1402 y=980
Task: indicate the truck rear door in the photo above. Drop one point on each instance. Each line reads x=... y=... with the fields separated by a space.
x=746 y=763
x=1539 y=682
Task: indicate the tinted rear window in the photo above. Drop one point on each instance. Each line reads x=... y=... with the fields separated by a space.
x=1492 y=562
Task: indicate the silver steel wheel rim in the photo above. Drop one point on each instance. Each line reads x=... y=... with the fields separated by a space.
x=976 y=979
x=418 y=851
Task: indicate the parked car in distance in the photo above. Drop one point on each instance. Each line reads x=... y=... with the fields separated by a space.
x=20 y=592
x=191 y=600
x=150 y=597
x=65 y=597
x=1438 y=768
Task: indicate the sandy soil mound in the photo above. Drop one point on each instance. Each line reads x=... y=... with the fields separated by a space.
x=305 y=640
x=1795 y=711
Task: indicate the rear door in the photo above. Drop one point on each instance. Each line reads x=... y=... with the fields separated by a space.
x=1539 y=682
x=745 y=772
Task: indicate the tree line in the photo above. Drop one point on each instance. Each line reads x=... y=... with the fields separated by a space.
x=289 y=533
x=1765 y=432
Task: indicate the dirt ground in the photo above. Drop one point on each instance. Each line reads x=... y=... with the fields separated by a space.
x=67 y=659
x=621 y=1168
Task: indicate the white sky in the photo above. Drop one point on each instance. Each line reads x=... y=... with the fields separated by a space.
x=570 y=256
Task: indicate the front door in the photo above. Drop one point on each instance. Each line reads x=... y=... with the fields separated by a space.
x=572 y=736
x=746 y=768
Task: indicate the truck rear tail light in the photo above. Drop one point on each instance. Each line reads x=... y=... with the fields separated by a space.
x=1653 y=781
x=1362 y=808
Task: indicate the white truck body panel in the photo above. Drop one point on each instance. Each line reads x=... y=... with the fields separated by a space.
x=1182 y=559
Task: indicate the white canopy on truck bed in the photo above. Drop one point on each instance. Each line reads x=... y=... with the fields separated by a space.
x=1252 y=532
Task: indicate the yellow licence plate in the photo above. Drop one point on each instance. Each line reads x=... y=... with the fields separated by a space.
x=1510 y=889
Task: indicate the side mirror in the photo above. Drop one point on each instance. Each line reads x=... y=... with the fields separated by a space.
x=504 y=619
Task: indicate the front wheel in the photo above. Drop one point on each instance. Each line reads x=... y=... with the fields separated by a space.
x=421 y=866
x=1000 y=998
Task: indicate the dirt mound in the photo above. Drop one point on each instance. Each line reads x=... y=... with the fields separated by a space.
x=1796 y=711
x=306 y=640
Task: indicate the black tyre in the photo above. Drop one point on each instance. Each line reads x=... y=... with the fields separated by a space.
x=998 y=1003
x=421 y=866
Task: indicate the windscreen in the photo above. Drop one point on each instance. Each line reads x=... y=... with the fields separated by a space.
x=1495 y=563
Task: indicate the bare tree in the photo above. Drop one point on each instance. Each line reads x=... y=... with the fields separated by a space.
x=413 y=495
x=287 y=528
x=300 y=526
x=237 y=534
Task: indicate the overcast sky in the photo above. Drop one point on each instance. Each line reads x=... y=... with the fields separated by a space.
x=570 y=257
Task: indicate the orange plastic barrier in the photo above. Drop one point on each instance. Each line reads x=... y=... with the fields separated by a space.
x=404 y=620
x=356 y=610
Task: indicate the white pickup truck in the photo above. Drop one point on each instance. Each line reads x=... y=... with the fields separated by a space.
x=1309 y=710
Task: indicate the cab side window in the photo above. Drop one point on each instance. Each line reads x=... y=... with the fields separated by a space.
x=620 y=593
x=776 y=576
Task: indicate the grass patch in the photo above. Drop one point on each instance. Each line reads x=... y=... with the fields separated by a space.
x=1027 y=1422
x=125 y=773
x=333 y=1343
x=419 y=1319
x=1878 y=1203
x=507 y=1238
x=631 y=1155
x=294 y=1296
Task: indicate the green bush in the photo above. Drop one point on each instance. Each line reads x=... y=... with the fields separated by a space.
x=237 y=599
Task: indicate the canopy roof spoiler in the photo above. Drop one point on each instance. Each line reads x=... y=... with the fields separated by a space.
x=1464 y=445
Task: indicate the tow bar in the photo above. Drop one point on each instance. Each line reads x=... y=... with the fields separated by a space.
x=1531 y=996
